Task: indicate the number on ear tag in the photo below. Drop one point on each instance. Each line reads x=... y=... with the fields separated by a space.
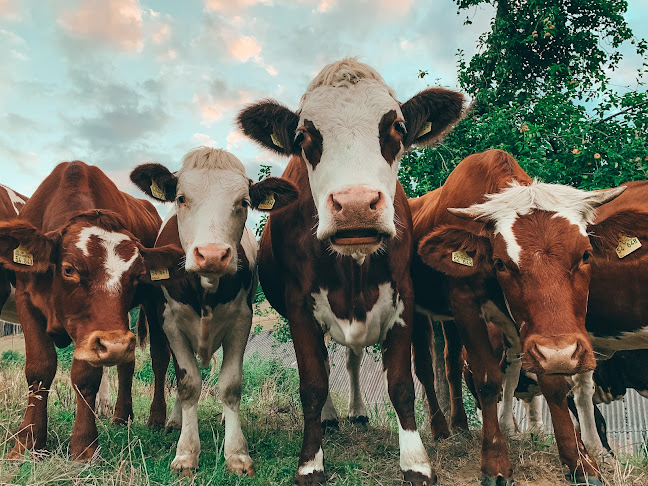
x=268 y=202
x=157 y=192
x=627 y=244
x=160 y=274
x=275 y=140
x=427 y=128
x=462 y=258
x=23 y=257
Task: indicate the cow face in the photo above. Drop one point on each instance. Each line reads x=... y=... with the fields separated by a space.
x=536 y=244
x=350 y=132
x=90 y=269
x=212 y=195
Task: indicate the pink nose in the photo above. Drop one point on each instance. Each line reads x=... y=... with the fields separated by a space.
x=107 y=348
x=563 y=356
x=212 y=258
x=356 y=203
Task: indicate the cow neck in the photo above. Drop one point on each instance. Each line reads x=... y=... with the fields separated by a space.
x=352 y=289
x=190 y=291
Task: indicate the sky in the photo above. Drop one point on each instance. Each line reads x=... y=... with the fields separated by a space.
x=116 y=83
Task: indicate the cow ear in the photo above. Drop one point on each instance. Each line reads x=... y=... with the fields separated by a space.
x=431 y=113
x=156 y=181
x=23 y=248
x=163 y=265
x=456 y=252
x=623 y=234
x=272 y=194
x=271 y=125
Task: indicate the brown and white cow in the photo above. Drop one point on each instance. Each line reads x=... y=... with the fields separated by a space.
x=517 y=252
x=338 y=260
x=212 y=306
x=10 y=204
x=79 y=250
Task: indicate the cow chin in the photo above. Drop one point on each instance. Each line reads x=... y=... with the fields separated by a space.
x=358 y=241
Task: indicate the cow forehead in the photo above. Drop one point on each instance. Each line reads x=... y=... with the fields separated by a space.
x=213 y=183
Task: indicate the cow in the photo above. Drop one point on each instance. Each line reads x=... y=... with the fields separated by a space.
x=212 y=306
x=79 y=250
x=338 y=260
x=10 y=204
x=517 y=252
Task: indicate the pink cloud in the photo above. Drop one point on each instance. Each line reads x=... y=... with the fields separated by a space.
x=162 y=34
x=10 y=10
x=232 y=5
x=244 y=48
x=114 y=22
x=211 y=108
x=204 y=139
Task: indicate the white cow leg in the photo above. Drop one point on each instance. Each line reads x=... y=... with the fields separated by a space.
x=329 y=413
x=237 y=457
x=583 y=392
x=175 y=419
x=534 y=414
x=357 y=409
x=509 y=384
x=104 y=403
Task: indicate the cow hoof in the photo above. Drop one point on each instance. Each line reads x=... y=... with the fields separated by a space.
x=315 y=478
x=104 y=408
x=122 y=420
x=185 y=465
x=172 y=425
x=240 y=464
x=418 y=479
x=85 y=455
x=498 y=481
x=579 y=480
x=155 y=423
x=361 y=420
x=16 y=454
x=330 y=424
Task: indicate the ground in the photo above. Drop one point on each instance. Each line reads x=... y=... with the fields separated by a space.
x=271 y=415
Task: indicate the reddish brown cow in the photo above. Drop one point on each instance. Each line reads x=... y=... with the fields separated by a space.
x=516 y=248
x=10 y=203
x=79 y=249
x=338 y=260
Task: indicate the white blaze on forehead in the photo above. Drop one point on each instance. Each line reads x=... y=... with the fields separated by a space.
x=504 y=207
x=114 y=264
x=13 y=197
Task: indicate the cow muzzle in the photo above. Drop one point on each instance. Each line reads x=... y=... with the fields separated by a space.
x=562 y=355
x=107 y=348
x=213 y=259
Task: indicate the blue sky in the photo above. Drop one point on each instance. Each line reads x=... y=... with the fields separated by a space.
x=120 y=82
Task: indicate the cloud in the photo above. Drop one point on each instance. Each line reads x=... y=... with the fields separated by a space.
x=162 y=34
x=10 y=10
x=114 y=23
x=219 y=99
x=235 y=139
x=205 y=140
x=244 y=48
x=230 y=6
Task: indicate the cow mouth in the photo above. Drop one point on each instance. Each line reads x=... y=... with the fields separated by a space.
x=356 y=237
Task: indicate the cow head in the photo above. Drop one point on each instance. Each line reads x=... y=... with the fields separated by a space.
x=535 y=242
x=90 y=269
x=350 y=132
x=212 y=195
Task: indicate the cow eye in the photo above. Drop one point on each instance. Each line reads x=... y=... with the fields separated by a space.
x=69 y=271
x=181 y=199
x=299 y=137
x=586 y=257
x=245 y=203
x=400 y=127
x=499 y=265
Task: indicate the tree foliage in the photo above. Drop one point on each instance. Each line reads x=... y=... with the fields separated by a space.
x=540 y=89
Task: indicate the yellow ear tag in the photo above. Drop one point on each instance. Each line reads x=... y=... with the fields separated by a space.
x=427 y=128
x=160 y=274
x=627 y=244
x=462 y=258
x=157 y=192
x=275 y=140
x=23 y=257
x=268 y=202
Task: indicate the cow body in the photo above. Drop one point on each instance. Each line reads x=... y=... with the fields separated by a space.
x=10 y=204
x=338 y=260
x=85 y=242
x=522 y=262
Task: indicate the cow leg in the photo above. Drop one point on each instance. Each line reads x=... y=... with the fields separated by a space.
x=570 y=448
x=357 y=408
x=175 y=419
x=311 y=353
x=104 y=402
x=85 y=381
x=511 y=377
x=160 y=357
x=487 y=376
x=40 y=368
x=454 y=372
x=329 y=413
x=397 y=364
x=423 y=358
x=124 y=405
x=583 y=392
x=237 y=457
x=534 y=414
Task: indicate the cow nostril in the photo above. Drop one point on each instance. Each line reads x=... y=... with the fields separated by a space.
x=535 y=352
x=336 y=205
x=374 y=203
x=226 y=255
x=99 y=346
x=578 y=352
x=198 y=256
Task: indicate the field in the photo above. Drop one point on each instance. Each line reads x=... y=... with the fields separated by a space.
x=271 y=415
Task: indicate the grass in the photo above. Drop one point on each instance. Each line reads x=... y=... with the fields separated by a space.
x=271 y=416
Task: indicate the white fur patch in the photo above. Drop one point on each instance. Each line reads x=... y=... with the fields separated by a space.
x=13 y=197
x=114 y=264
x=359 y=334
x=315 y=464
x=413 y=456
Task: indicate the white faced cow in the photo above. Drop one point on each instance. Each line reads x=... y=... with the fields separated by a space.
x=212 y=307
x=338 y=261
